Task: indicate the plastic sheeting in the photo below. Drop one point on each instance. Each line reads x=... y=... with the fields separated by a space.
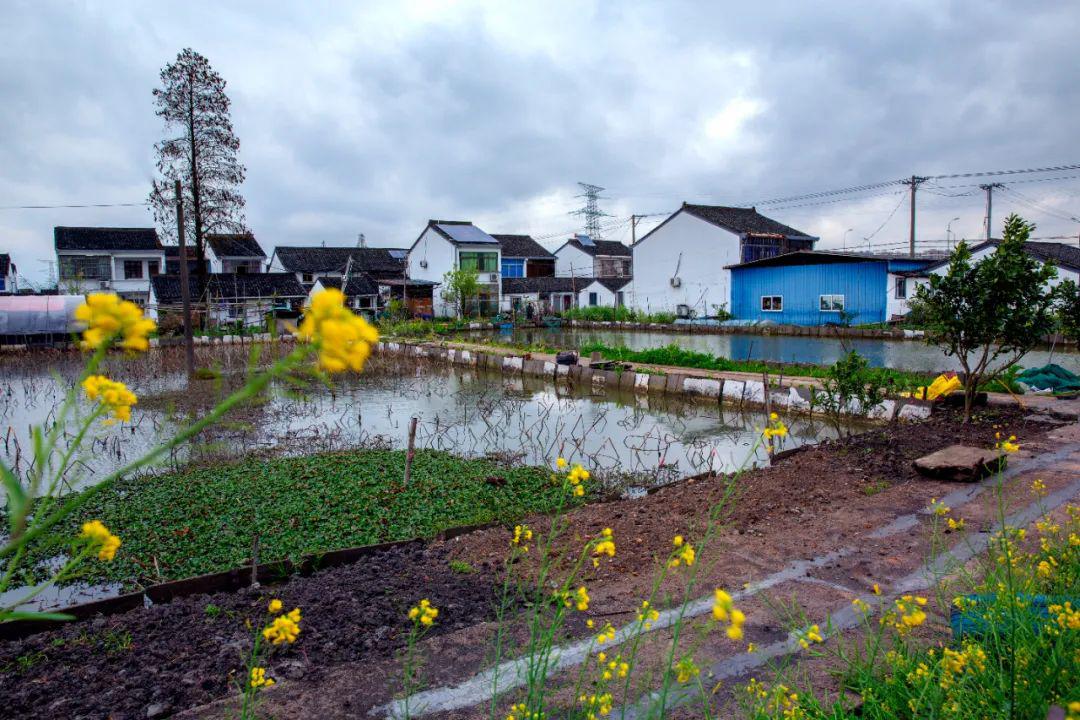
x=24 y=315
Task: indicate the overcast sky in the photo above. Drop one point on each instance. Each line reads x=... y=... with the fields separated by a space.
x=373 y=117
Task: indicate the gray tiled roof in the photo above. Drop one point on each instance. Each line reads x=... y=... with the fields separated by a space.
x=377 y=262
x=521 y=246
x=230 y=286
x=746 y=221
x=236 y=245
x=105 y=238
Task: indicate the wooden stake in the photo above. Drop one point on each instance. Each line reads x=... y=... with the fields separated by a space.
x=410 y=451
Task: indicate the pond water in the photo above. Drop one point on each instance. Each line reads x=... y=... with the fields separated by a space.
x=913 y=355
x=465 y=411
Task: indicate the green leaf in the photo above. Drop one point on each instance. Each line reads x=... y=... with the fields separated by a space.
x=10 y=616
x=16 y=495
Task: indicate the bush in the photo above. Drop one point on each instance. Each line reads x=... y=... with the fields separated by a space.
x=617 y=314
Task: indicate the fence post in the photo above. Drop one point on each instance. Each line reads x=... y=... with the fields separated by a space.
x=410 y=450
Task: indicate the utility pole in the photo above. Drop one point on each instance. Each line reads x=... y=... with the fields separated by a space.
x=914 y=182
x=633 y=228
x=185 y=289
x=989 y=188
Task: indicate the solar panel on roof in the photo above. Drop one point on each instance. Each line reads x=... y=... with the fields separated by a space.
x=585 y=240
x=399 y=254
x=468 y=234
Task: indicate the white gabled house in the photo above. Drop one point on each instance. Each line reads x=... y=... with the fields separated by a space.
x=902 y=285
x=603 y=292
x=447 y=245
x=362 y=293
x=581 y=256
x=679 y=266
x=106 y=259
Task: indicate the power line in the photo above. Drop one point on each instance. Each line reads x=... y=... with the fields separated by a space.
x=86 y=205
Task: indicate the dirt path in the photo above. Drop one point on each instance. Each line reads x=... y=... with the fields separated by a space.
x=819 y=524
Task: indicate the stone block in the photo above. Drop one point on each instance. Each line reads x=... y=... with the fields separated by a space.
x=960 y=463
x=706 y=387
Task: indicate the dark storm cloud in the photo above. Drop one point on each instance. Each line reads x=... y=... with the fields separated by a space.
x=373 y=119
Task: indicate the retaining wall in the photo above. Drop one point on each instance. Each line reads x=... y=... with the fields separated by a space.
x=790 y=396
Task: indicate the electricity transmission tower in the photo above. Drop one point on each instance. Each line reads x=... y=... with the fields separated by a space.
x=591 y=211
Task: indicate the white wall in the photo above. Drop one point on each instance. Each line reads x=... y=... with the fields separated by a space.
x=117 y=284
x=698 y=250
x=897 y=306
x=572 y=262
x=435 y=251
x=604 y=297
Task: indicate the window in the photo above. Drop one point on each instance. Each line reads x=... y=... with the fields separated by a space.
x=594 y=299
x=772 y=303
x=901 y=288
x=831 y=303
x=132 y=269
x=479 y=261
x=620 y=299
x=307 y=277
x=153 y=268
x=85 y=267
x=514 y=268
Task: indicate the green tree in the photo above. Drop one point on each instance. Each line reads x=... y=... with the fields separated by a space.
x=989 y=314
x=1069 y=311
x=459 y=287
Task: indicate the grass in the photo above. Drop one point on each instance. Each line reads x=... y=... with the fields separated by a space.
x=617 y=314
x=205 y=519
x=676 y=356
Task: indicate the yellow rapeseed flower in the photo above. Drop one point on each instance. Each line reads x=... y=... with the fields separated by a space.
x=1009 y=445
x=647 y=615
x=1038 y=488
x=560 y=463
x=259 y=679
x=108 y=318
x=344 y=339
x=939 y=508
x=424 y=613
x=111 y=396
x=861 y=605
x=686 y=670
x=275 y=606
x=810 y=635
x=684 y=553
x=724 y=610
x=98 y=535
x=607 y=634
x=284 y=628
x=956 y=524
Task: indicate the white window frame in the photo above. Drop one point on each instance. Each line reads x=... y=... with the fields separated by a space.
x=774 y=298
x=831 y=309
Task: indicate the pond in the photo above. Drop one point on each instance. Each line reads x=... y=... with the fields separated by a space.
x=629 y=441
x=465 y=411
x=914 y=355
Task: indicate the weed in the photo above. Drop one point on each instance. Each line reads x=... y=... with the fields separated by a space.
x=873 y=488
x=211 y=610
x=462 y=567
x=115 y=642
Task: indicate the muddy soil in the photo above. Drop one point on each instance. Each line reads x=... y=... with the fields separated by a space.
x=162 y=660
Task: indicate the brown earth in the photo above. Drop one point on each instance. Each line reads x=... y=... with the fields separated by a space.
x=164 y=659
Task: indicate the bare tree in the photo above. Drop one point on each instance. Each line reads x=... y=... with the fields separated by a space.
x=200 y=150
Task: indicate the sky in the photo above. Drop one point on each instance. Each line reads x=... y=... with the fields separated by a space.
x=372 y=117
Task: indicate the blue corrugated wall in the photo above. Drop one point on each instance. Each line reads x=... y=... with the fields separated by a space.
x=862 y=284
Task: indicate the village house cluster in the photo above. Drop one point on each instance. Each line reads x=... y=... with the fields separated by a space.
x=703 y=263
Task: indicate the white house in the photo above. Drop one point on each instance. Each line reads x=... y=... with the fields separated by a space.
x=239 y=253
x=1065 y=257
x=679 y=266
x=447 y=245
x=8 y=274
x=544 y=294
x=603 y=292
x=581 y=256
x=361 y=293
x=121 y=260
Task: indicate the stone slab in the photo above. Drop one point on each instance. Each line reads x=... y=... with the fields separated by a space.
x=959 y=463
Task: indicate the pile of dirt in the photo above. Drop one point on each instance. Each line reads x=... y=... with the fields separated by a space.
x=163 y=659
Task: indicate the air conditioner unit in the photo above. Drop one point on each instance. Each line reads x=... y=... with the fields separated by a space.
x=683 y=311
x=423 y=263
x=104 y=284
x=675 y=282
x=493 y=277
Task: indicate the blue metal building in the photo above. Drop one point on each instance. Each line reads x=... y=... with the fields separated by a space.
x=818 y=287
